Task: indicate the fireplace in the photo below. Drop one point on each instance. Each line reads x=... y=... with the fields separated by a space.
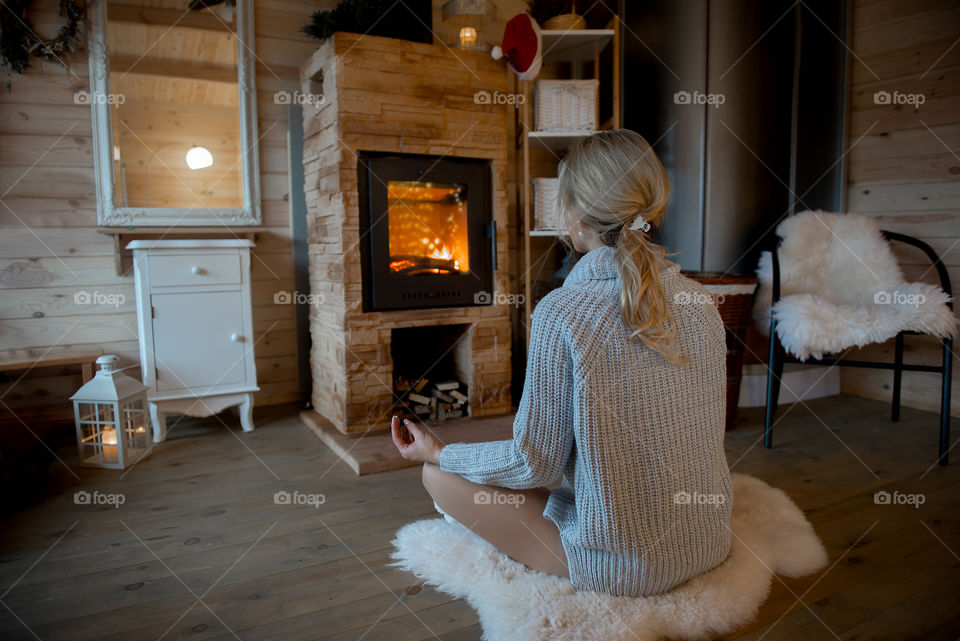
x=391 y=154
x=428 y=231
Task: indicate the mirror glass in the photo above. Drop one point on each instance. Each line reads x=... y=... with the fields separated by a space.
x=173 y=95
x=177 y=129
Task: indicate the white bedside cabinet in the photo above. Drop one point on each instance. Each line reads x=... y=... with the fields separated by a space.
x=196 y=327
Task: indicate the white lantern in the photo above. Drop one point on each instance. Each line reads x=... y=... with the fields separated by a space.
x=110 y=412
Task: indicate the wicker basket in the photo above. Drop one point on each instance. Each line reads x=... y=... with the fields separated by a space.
x=733 y=293
x=566 y=22
x=566 y=105
x=546 y=209
x=734 y=296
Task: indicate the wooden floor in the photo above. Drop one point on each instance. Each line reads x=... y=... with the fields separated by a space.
x=200 y=550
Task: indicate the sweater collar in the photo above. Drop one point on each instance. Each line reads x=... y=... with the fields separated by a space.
x=596 y=264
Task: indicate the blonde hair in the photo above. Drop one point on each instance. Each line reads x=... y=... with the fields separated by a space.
x=606 y=181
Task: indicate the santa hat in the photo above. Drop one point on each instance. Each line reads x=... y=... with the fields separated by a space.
x=522 y=46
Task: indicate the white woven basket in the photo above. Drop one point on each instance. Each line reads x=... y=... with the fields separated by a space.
x=546 y=208
x=566 y=105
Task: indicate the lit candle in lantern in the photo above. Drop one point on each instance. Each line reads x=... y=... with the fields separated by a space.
x=109 y=437
x=468 y=37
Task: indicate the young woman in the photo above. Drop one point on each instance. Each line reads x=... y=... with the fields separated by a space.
x=624 y=399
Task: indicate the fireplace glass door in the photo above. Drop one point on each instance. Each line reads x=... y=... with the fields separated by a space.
x=426 y=232
x=427 y=228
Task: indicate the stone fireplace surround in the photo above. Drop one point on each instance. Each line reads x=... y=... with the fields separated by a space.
x=387 y=95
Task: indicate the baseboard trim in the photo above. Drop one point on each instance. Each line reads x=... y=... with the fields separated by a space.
x=799 y=383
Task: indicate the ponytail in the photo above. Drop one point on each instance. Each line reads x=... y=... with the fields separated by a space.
x=643 y=305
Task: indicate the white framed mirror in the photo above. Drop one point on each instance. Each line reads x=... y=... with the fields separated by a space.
x=174 y=104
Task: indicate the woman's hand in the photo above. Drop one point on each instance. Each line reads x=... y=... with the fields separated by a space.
x=414 y=443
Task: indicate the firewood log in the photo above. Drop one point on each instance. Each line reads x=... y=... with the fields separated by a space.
x=443 y=396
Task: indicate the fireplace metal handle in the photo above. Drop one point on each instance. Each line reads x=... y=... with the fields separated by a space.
x=492 y=232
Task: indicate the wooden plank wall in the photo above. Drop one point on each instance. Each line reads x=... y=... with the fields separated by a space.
x=50 y=247
x=904 y=167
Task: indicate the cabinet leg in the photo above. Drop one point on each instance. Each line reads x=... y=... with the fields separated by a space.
x=246 y=413
x=159 y=421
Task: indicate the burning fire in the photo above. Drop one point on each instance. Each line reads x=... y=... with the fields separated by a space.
x=427 y=228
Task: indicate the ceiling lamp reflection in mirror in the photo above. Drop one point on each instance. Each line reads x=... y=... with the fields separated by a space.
x=199 y=157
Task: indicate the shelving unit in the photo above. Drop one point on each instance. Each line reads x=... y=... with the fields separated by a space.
x=555 y=140
x=579 y=48
x=581 y=45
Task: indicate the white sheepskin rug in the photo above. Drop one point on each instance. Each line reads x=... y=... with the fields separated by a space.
x=841 y=286
x=770 y=535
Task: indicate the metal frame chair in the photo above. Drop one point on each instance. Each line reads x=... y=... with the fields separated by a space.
x=777 y=356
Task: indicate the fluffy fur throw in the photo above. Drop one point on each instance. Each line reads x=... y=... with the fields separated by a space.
x=841 y=286
x=770 y=534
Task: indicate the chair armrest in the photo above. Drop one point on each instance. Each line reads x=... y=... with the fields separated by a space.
x=931 y=254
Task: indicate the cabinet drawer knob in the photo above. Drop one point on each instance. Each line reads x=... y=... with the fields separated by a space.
x=196 y=270
x=236 y=338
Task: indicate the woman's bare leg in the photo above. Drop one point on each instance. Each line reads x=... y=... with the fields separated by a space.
x=511 y=520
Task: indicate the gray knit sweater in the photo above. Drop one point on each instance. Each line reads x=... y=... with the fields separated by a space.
x=645 y=500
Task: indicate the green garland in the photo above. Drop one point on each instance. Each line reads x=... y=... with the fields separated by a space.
x=19 y=40
x=368 y=16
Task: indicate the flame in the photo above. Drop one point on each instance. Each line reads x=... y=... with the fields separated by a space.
x=427 y=220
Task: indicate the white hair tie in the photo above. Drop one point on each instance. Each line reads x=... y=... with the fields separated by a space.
x=640 y=224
